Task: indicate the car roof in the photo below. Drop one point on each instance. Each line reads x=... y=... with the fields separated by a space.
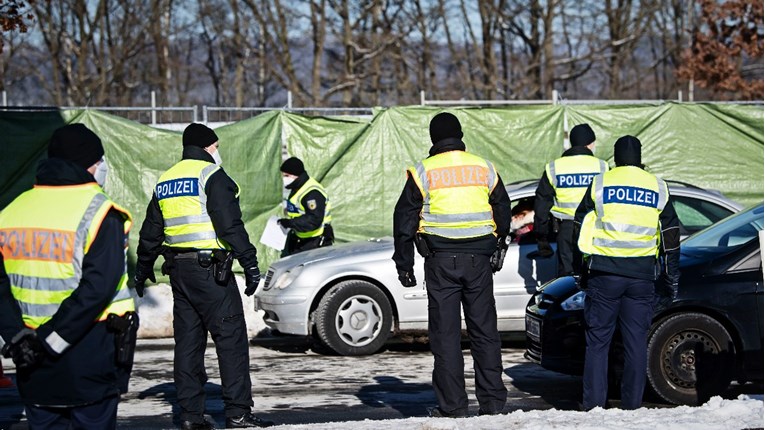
x=527 y=187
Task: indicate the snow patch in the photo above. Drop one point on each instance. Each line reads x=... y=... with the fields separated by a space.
x=155 y=310
x=717 y=413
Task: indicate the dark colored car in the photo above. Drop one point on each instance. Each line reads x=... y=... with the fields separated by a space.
x=699 y=342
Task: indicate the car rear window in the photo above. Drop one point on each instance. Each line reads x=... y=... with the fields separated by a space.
x=730 y=233
x=696 y=214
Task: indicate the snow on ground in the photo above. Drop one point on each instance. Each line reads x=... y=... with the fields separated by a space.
x=746 y=412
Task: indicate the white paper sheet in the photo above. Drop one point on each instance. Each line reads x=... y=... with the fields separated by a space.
x=274 y=235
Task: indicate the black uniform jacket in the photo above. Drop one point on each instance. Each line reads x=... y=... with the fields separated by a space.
x=86 y=371
x=545 y=196
x=638 y=267
x=312 y=218
x=406 y=219
x=224 y=211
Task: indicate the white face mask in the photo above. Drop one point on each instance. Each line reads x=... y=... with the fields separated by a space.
x=286 y=180
x=102 y=170
x=216 y=157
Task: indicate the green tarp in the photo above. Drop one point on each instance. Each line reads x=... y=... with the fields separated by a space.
x=708 y=145
x=362 y=162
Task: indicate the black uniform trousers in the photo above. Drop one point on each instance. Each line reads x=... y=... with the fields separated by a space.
x=611 y=298
x=200 y=306
x=295 y=244
x=568 y=251
x=453 y=279
x=98 y=415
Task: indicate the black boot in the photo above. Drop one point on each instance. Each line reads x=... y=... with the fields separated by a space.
x=201 y=425
x=247 y=420
x=436 y=412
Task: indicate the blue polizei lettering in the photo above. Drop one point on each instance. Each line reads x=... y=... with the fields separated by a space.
x=180 y=187
x=291 y=208
x=631 y=196
x=574 y=180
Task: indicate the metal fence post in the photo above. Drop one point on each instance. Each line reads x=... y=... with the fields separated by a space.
x=153 y=108
x=289 y=100
x=422 y=97
x=204 y=114
x=195 y=113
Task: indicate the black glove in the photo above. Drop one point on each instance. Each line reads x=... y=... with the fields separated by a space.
x=580 y=280
x=407 y=278
x=497 y=259
x=544 y=250
x=142 y=273
x=25 y=349
x=251 y=280
x=284 y=222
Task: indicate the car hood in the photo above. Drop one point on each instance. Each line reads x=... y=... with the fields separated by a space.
x=562 y=287
x=357 y=251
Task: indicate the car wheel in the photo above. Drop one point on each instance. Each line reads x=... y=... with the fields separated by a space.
x=354 y=318
x=690 y=359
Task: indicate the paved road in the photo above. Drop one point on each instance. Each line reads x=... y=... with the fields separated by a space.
x=294 y=385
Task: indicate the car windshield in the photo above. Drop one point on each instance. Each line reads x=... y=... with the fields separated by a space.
x=728 y=234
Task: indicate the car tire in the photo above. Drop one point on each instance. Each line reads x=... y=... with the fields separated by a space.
x=354 y=318
x=691 y=357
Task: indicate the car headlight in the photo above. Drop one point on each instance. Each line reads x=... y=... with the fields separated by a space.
x=288 y=277
x=574 y=303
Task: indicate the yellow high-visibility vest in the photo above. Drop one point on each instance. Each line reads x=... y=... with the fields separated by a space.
x=570 y=176
x=181 y=195
x=295 y=207
x=45 y=233
x=455 y=188
x=625 y=222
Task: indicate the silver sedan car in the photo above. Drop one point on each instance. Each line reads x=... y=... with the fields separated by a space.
x=348 y=296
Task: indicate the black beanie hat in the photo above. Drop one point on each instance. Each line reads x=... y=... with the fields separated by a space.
x=581 y=135
x=627 y=151
x=443 y=126
x=76 y=143
x=199 y=135
x=293 y=166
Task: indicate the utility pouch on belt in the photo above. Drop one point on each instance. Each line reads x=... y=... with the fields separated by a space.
x=421 y=243
x=555 y=224
x=125 y=329
x=222 y=269
x=205 y=257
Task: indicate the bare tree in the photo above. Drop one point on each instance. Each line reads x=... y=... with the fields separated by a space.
x=531 y=21
x=727 y=47
x=376 y=52
x=13 y=17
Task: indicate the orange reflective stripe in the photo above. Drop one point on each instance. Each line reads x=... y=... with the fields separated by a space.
x=457 y=176
x=37 y=244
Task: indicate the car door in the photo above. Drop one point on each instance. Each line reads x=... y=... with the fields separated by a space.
x=520 y=276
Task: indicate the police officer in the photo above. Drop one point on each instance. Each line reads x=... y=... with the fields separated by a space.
x=308 y=210
x=455 y=207
x=63 y=284
x=626 y=224
x=559 y=192
x=194 y=220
